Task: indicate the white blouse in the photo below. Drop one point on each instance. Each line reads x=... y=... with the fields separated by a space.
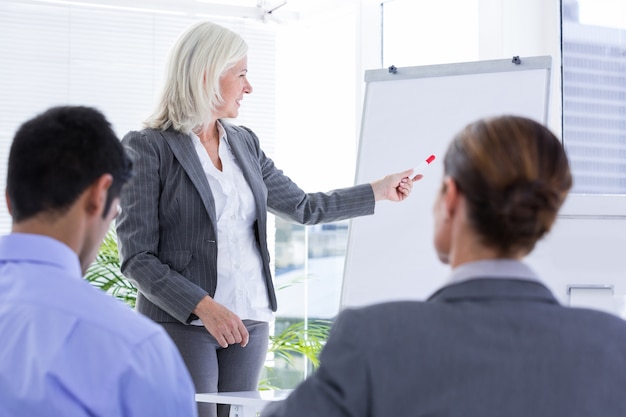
x=240 y=283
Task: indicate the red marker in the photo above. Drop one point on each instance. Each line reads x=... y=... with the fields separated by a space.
x=418 y=169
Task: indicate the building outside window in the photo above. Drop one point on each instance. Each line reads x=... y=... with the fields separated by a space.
x=594 y=94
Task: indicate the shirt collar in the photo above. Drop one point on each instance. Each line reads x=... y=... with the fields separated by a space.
x=221 y=132
x=34 y=248
x=493 y=268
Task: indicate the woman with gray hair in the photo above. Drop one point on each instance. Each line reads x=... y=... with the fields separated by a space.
x=192 y=232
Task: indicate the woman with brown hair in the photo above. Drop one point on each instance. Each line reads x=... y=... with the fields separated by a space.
x=493 y=341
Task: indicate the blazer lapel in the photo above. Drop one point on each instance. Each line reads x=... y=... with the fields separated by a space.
x=182 y=147
x=481 y=289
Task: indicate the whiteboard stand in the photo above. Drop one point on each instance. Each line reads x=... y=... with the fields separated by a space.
x=408 y=114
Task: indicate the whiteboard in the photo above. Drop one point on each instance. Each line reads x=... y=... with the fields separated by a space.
x=409 y=114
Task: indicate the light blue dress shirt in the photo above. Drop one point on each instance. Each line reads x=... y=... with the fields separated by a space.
x=68 y=349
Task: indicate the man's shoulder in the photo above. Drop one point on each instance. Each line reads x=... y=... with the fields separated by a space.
x=77 y=301
x=72 y=317
x=115 y=318
x=92 y=344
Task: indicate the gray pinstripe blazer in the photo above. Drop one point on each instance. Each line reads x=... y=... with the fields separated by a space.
x=167 y=227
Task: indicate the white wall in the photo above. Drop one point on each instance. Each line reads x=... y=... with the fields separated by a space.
x=315 y=105
x=500 y=28
x=525 y=28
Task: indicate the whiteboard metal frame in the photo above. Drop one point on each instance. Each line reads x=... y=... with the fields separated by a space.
x=464 y=68
x=459 y=68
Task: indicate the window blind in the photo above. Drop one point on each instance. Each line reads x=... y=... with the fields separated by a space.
x=112 y=59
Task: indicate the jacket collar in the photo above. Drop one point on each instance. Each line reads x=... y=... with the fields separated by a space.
x=182 y=147
x=481 y=289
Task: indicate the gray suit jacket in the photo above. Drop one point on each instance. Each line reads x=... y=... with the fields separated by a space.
x=479 y=348
x=167 y=228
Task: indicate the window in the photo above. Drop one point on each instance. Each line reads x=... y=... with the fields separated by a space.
x=425 y=33
x=594 y=94
x=110 y=54
x=111 y=58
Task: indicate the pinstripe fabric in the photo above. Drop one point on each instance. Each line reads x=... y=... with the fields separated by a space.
x=167 y=227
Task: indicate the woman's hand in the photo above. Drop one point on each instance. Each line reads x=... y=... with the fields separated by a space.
x=224 y=325
x=394 y=187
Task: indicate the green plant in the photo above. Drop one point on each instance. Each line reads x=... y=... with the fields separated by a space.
x=298 y=341
x=301 y=338
x=104 y=272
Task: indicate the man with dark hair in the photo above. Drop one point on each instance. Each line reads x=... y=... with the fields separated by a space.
x=68 y=349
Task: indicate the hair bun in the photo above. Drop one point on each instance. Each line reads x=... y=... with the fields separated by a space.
x=527 y=209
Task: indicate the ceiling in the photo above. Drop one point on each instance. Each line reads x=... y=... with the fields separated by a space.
x=285 y=10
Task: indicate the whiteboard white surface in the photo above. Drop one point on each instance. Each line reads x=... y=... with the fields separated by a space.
x=406 y=117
